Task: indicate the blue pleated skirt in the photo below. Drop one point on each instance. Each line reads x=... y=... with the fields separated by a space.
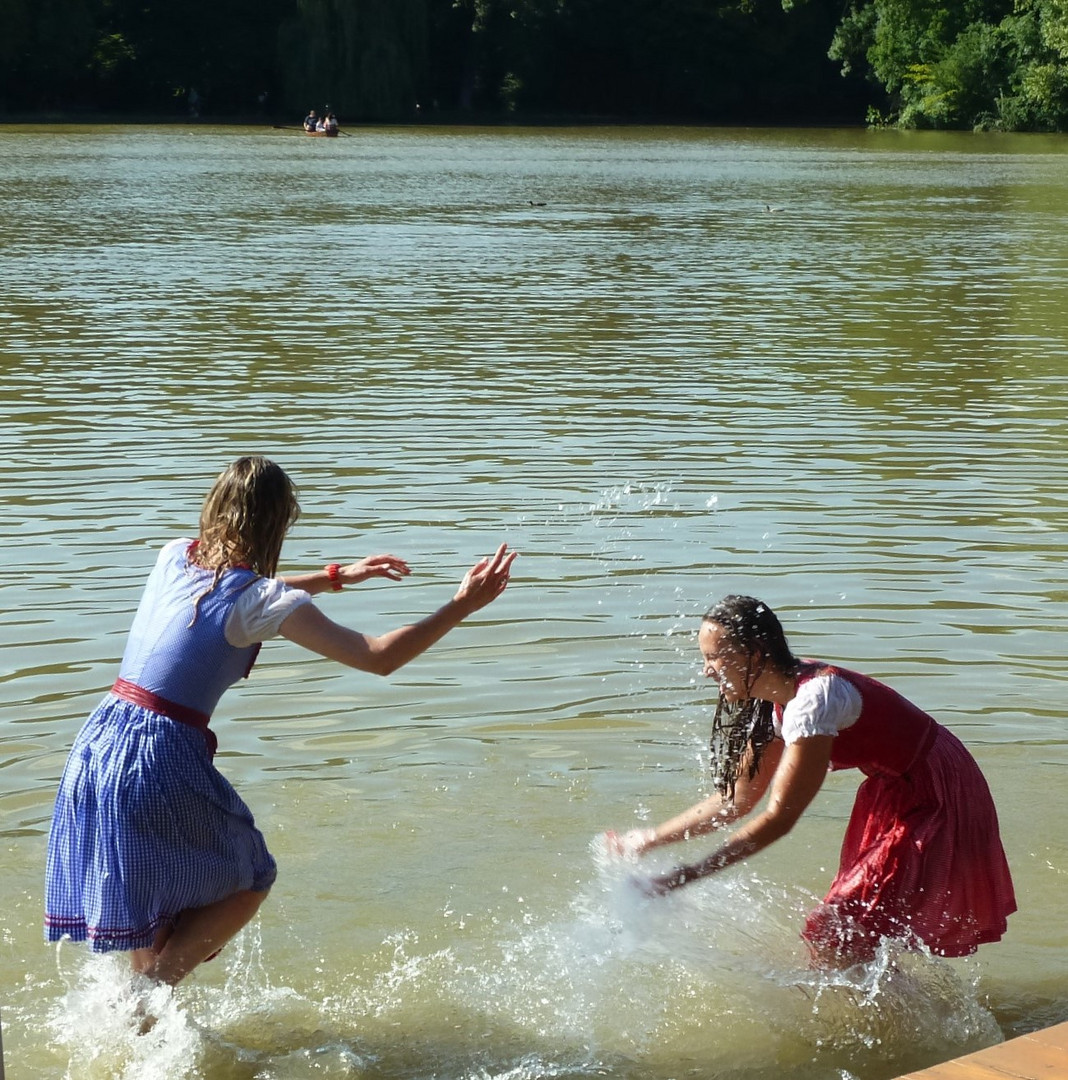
x=144 y=827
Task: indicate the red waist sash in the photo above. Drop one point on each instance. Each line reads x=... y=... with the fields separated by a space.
x=138 y=695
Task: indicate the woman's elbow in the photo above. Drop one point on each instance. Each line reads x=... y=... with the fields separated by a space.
x=377 y=662
x=370 y=665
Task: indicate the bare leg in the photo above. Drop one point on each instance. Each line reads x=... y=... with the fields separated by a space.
x=142 y=959
x=198 y=933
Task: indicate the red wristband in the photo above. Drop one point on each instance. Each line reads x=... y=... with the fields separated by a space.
x=333 y=572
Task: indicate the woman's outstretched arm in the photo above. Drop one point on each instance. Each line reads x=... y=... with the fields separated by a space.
x=801 y=771
x=308 y=627
x=715 y=812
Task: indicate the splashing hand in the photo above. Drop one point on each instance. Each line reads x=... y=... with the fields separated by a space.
x=662 y=884
x=631 y=844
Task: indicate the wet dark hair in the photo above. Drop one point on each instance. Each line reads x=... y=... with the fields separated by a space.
x=752 y=628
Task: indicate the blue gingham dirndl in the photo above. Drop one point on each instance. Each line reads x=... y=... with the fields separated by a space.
x=144 y=827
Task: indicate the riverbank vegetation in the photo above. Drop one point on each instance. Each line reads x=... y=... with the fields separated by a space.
x=996 y=64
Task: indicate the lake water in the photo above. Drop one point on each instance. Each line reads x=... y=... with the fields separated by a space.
x=824 y=367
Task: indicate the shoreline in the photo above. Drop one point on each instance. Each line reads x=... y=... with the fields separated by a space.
x=439 y=119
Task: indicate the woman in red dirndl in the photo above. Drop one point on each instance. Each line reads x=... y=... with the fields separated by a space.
x=922 y=860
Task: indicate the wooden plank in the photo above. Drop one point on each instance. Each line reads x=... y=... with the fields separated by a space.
x=1056 y=1036
x=1041 y=1055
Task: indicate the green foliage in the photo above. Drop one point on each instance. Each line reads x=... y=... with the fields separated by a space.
x=1052 y=18
x=112 y=51
x=978 y=63
x=1036 y=98
x=853 y=38
x=961 y=88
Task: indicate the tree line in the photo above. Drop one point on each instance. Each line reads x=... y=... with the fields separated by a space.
x=996 y=64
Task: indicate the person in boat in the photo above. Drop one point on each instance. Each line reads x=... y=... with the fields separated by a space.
x=311 y=121
x=922 y=859
x=330 y=125
x=151 y=850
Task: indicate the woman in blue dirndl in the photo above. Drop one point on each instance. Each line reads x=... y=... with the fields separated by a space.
x=151 y=849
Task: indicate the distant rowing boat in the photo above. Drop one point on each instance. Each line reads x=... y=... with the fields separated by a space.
x=328 y=134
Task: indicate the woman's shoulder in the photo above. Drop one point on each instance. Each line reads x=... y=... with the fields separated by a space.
x=826 y=684
x=176 y=550
x=261 y=608
x=269 y=590
x=172 y=560
x=811 y=668
x=824 y=673
x=826 y=702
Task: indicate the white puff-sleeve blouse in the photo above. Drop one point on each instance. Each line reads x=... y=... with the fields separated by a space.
x=260 y=611
x=824 y=705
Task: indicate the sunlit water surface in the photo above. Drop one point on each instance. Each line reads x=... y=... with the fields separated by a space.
x=827 y=368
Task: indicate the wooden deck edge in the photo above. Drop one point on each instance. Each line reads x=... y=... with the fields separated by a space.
x=1041 y=1055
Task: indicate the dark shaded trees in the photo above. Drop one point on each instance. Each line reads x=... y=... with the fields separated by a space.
x=138 y=56
x=922 y=63
x=730 y=60
x=393 y=59
x=46 y=51
x=364 y=59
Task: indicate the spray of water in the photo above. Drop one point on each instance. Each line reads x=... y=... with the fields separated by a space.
x=117 y=1026
x=715 y=978
x=710 y=980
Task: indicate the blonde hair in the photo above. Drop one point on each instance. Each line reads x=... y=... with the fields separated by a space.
x=246 y=516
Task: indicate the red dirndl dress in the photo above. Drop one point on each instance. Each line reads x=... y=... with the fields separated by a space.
x=922 y=858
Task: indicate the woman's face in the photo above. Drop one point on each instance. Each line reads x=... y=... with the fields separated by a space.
x=730 y=666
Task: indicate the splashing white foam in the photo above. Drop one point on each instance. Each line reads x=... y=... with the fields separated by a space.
x=711 y=978
x=714 y=976
x=121 y=1027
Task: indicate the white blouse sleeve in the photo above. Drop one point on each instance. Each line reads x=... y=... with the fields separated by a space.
x=824 y=705
x=260 y=611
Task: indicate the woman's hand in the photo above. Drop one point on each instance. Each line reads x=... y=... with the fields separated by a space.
x=387 y=566
x=486 y=580
x=662 y=884
x=631 y=845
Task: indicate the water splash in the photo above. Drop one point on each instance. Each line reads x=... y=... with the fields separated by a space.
x=535 y=1067
x=633 y=497
x=711 y=979
x=112 y=1025
x=715 y=978
x=99 y=1022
